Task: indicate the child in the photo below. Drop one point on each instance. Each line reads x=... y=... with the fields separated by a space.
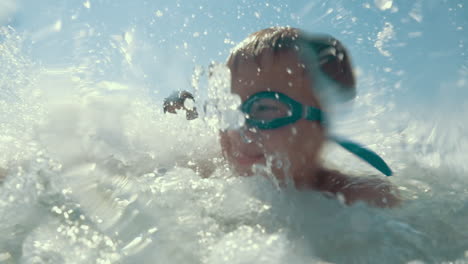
x=278 y=73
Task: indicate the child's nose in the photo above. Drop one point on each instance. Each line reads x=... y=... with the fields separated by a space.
x=251 y=135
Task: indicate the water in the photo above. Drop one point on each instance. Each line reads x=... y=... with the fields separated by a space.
x=96 y=173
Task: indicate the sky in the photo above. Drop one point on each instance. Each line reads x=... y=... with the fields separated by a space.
x=410 y=51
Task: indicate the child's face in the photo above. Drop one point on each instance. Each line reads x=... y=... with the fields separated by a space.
x=296 y=144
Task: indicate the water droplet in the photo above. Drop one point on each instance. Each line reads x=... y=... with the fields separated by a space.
x=244 y=137
x=279 y=163
x=159 y=13
x=189 y=104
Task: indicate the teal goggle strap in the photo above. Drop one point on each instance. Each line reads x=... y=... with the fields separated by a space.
x=299 y=111
x=363 y=153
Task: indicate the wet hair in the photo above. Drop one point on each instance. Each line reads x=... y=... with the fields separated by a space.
x=316 y=51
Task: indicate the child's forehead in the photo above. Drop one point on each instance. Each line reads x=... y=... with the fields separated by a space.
x=282 y=72
x=269 y=61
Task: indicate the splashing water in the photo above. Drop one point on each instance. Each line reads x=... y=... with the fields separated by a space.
x=92 y=171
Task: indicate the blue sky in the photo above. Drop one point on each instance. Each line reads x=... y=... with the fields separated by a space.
x=414 y=50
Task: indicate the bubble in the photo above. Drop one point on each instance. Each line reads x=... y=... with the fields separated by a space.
x=87 y=4
x=159 y=13
x=294 y=130
x=246 y=138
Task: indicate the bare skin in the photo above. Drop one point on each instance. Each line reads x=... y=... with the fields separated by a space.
x=375 y=192
x=297 y=145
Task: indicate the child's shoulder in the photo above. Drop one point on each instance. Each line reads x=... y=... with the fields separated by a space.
x=374 y=191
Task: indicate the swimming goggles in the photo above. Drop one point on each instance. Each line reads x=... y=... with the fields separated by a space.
x=271 y=110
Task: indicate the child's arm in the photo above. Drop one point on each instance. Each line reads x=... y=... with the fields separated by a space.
x=375 y=192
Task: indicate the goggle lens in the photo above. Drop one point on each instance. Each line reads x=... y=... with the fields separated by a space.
x=266 y=110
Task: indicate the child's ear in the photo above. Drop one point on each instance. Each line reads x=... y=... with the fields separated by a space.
x=339 y=69
x=335 y=62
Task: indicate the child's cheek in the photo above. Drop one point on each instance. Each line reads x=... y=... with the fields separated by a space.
x=278 y=140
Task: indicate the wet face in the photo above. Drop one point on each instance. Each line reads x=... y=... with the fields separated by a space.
x=292 y=149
